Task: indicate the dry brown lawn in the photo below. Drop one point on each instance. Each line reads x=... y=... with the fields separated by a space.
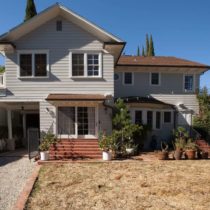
x=161 y=185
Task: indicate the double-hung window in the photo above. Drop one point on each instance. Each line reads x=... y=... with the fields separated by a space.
x=154 y=79
x=33 y=64
x=128 y=78
x=188 y=83
x=85 y=64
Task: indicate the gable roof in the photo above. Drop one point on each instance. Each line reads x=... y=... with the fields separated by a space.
x=158 y=61
x=51 y=12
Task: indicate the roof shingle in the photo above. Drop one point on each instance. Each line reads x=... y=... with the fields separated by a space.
x=158 y=61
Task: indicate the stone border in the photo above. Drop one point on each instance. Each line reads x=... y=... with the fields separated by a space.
x=23 y=197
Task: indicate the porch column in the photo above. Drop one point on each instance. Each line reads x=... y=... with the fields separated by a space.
x=9 y=123
x=24 y=125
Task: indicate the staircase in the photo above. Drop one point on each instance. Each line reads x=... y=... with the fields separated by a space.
x=203 y=145
x=75 y=149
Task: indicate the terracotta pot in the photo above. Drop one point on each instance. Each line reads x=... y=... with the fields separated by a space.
x=205 y=155
x=190 y=154
x=178 y=154
x=162 y=155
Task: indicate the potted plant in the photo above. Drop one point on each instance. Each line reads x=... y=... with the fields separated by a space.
x=163 y=154
x=105 y=144
x=181 y=136
x=190 y=149
x=44 y=147
x=179 y=145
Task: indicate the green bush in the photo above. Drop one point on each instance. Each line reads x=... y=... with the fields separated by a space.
x=47 y=141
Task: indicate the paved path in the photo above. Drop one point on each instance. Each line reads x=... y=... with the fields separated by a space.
x=15 y=168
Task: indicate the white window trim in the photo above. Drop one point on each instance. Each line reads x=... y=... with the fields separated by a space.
x=193 y=89
x=163 y=121
x=33 y=52
x=123 y=81
x=99 y=53
x=150 y=79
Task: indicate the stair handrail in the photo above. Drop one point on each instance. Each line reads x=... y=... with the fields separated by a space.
x=196 y=134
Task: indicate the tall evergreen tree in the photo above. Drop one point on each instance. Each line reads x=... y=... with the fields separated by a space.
x=151 y=51
x=138 y=51
x=143 y=51
x=147 y=45
x=30 y=10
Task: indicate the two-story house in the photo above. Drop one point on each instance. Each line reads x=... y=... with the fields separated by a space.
x=63 y=73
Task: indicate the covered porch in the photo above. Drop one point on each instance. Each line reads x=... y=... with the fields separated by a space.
x=20 y=117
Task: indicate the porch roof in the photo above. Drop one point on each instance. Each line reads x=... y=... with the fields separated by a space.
x=145 y=100
x=76 y=97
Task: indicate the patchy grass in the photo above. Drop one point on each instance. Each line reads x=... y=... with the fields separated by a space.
x=161 y=185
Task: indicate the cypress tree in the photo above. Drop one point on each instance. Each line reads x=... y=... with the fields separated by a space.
x=30 y=10
x=147 y=45
x=151 y=47
x=143 y=52
x=138 y=51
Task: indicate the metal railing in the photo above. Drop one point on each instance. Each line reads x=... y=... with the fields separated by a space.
x=2 y=79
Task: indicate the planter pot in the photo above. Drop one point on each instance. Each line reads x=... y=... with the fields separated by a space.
x=107 y=155
x=129 y=150
x=44 y=155
x=162 y=155
x=178 y=154
x=205 y=155
x=190 y=154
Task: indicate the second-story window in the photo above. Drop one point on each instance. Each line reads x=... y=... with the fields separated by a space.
x=188 y=83
x=33 y=64
x=25 y=65
x=128 y=78
x=155 y=79
x=86 y=64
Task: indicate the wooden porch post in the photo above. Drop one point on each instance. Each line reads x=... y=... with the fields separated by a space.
x=9 y=123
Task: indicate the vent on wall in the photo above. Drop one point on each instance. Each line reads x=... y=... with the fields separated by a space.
x=58 y=25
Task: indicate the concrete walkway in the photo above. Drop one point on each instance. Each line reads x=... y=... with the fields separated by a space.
x=15 y=168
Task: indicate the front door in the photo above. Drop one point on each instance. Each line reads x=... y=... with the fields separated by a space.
x=77 y=122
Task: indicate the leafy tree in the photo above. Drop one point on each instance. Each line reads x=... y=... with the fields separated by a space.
x=147 y=45
x=30 y=10
x=151 y=47
x=138 y=51
x=143 y=52
x=202 y=121
x=2 y=69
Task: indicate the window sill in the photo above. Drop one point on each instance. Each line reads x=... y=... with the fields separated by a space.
x=85 y=78
x=41 y=77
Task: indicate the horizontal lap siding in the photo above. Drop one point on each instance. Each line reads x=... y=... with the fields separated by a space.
x=47 y=119
x=190 y=101
x=59 y=44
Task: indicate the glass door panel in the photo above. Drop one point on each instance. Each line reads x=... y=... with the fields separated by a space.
x=66 y=120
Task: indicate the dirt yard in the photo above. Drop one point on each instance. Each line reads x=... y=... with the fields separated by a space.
x=159 y=185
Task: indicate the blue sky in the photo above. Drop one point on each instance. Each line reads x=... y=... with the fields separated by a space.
x=180 y=28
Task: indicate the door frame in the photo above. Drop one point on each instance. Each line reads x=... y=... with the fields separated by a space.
x=76 y=136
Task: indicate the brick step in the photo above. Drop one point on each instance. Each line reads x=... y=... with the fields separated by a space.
x=79 y=140
x=76 y=152
x=59 y=157
x=74 y=147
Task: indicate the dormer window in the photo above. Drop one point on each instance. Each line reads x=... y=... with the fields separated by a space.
x=59 y=25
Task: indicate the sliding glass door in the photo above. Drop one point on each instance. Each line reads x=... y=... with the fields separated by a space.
x=77 y=122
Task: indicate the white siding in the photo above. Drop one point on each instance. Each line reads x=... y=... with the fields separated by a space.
x=58 y=43
x=47 y=117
